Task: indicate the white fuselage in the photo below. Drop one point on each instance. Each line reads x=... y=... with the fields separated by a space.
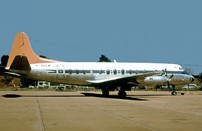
x=77 y=73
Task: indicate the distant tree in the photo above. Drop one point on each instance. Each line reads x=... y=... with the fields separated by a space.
x=103 y=58
x=189 y=71
x=4 y=60
x=2 y=70
x=200 y=74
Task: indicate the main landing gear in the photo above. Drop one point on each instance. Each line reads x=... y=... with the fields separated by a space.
x=121 y=93
x=105 y=92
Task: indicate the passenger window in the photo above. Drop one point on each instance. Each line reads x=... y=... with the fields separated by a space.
x=122 y=72
x=101 y=71
x=60 y=71
x=130 y=71
x=115 y=71
x=70 y=71
x=108 y=72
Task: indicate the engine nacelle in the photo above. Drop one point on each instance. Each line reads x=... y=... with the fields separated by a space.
x=156 y=80
x=181 y=79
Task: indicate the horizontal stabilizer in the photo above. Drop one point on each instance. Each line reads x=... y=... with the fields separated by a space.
x=12 y=74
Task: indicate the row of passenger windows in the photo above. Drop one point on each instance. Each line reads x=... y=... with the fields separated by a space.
x=107 y=71
x=101 y=71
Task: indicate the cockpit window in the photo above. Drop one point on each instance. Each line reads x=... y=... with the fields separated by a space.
x=180 y=68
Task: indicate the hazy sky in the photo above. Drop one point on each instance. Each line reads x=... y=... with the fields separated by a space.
x=124 y=30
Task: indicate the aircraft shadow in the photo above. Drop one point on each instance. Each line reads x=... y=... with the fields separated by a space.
x=83 y=95
x=17 y=96
x=114 y=97
x=152 y=95
x=11 y=96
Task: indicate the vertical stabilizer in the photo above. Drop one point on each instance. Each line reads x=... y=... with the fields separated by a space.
x=22 y=48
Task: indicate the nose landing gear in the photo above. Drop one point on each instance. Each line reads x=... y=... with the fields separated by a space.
x=173 y=93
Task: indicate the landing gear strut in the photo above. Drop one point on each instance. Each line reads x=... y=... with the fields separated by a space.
x=173 y=93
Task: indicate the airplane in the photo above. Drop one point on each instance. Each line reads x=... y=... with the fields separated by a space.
x=107 y=76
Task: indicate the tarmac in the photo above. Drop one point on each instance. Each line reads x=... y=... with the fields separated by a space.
x=89 y=111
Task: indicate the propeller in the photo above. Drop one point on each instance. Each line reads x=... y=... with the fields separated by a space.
x=165 y=73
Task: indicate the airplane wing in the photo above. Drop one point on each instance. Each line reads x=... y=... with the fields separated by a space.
x=127 y=79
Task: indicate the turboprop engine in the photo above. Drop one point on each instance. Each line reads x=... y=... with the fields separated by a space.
x=156 y=80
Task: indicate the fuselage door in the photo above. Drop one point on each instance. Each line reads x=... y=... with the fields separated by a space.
x=60 y=72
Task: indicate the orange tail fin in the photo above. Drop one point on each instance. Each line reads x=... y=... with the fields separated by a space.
x=22 y=48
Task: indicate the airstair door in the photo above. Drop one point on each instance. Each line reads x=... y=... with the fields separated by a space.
x=60 y=72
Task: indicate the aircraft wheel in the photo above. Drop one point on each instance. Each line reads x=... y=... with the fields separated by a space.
x=105 y=92
x=174 y=93
x=122 y=94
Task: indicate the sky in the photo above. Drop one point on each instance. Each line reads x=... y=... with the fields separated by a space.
x=157 y=31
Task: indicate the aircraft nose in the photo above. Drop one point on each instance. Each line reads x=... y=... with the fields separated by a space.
x=192 y=79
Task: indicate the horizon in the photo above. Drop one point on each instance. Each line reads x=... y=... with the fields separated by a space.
x=126 y=31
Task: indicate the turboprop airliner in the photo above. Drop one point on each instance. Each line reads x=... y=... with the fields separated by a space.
x=107 y=76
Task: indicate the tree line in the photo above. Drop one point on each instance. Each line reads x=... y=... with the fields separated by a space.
x=25 y=82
